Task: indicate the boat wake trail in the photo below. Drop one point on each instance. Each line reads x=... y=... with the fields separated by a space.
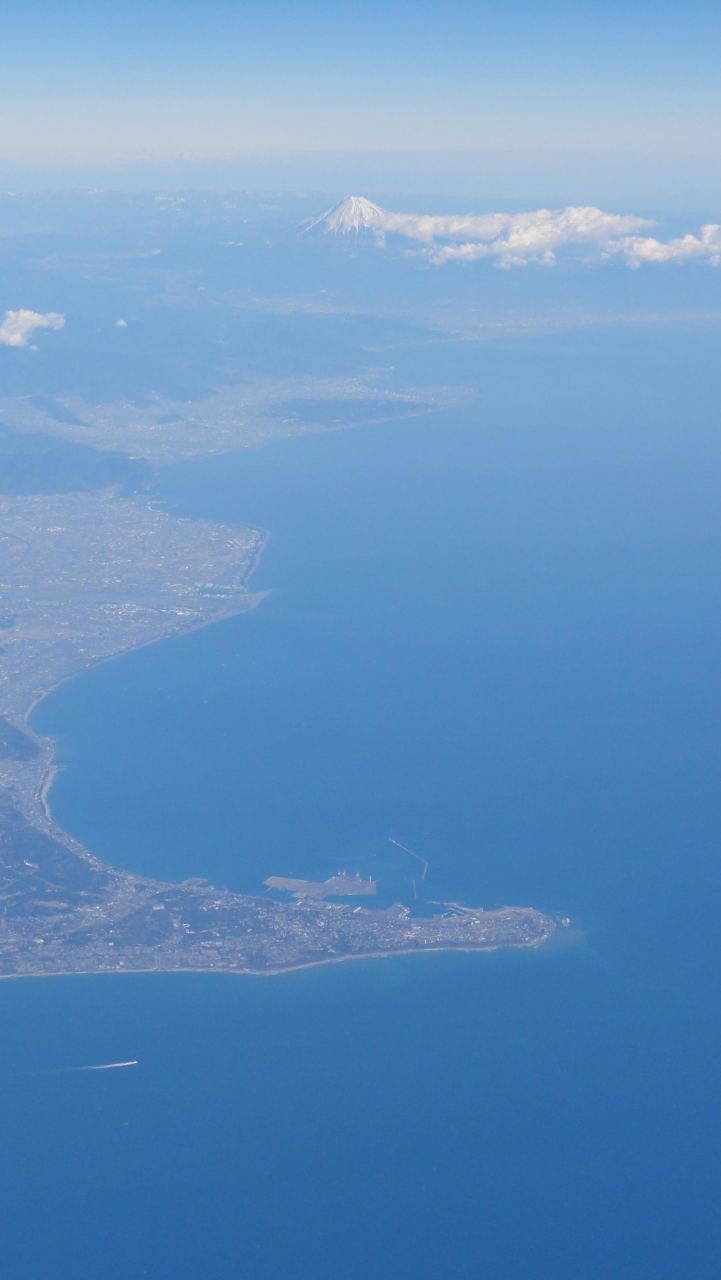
x=101 y=1066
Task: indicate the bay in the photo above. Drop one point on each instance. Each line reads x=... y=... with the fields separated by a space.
x=499 y=645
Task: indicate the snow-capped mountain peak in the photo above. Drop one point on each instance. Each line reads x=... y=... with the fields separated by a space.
x=350 y=215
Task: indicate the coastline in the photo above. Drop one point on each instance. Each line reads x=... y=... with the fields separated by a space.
x=96 y=919
x=247 y=604
x=279 y=972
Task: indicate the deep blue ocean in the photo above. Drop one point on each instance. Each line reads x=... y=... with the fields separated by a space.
x=496 y=637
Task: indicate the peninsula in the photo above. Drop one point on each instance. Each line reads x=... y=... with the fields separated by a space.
x=63 y=911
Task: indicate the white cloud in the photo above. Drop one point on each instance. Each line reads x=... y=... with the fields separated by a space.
x=18 y=325
x=516 y=239
x=537 y=237
x=513 y=239
x=706 y=246
x=121 y=324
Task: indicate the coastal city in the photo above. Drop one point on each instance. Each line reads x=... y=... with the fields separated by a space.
x=63 y=911
x=85 y=577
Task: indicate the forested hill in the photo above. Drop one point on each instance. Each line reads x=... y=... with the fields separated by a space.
x=39 y=463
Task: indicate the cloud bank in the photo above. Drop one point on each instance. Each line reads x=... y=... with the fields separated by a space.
x=17 y=326
x=516 y=239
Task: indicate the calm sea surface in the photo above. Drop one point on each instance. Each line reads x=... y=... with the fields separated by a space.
x=500 y=645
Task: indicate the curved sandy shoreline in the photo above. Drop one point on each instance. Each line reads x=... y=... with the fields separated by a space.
x=277 y=973
x=95 y=918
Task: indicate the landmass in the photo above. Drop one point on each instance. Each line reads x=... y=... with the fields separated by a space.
x=340 y=886
x=232 y=418
x=84 y=577
x=63 y=911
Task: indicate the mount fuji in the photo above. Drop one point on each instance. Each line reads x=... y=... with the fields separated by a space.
x=348 y=217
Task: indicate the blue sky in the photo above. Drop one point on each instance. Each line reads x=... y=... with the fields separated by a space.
x=89 y=79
